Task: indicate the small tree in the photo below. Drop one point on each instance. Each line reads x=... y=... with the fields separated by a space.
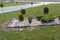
x=2 y=5
x=46 y=10
x=30 y=19
x=23 y=11
x=31 y=3
x=16 y=2
x=21 y=18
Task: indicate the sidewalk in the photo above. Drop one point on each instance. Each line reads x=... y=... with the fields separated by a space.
x=14 y=8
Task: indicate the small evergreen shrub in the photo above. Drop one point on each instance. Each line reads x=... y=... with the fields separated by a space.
x=59 y=17
x=21 y=18
x=30 y=19
x=39 y=18
x=47 y=18
x=46 y=10
x=23 y=11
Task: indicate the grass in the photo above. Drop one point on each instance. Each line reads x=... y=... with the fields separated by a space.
x=33 y=12
x=15 y=4
x=40 y=33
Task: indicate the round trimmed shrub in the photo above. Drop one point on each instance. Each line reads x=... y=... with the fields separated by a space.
x=23 y=11
x=21 y=18
x=46 y=10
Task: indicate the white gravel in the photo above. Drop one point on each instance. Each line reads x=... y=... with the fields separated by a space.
x=35 y=22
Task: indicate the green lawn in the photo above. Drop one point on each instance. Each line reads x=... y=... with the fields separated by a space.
x=33 y=12
x=15 y=4
x=40 y=33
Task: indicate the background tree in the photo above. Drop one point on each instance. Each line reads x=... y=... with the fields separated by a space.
x=2 y=5
x=46 y=10
x=21 y=18
x=31 y=3
x=23 y=11
x=16 y=2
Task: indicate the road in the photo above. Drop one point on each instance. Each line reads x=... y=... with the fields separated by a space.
x=14 y=8
x=42 y=0
x=32 y=0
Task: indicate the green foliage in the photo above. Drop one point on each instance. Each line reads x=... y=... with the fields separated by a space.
x=46 y=10
x=30 y=19
x=47 y=18
x=1 y=5
x=31 y=3
x=23 y=11
x=59 y=17
x=17 y=2
x=21 y=18
x=39 y=18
